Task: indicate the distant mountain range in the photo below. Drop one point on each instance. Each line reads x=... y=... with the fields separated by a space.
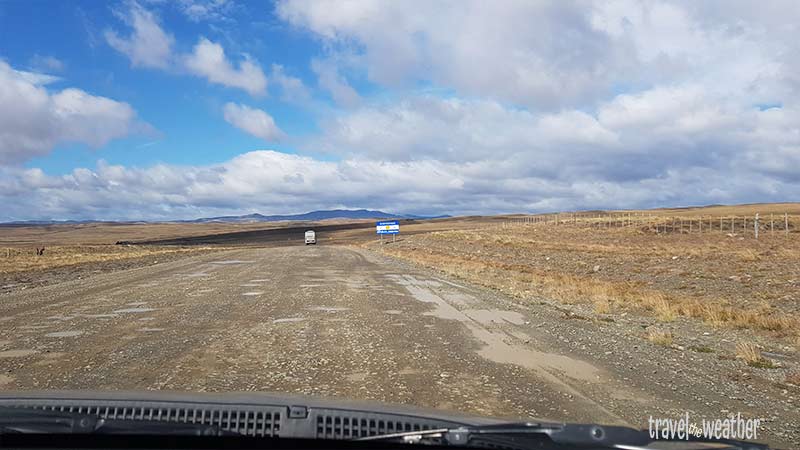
x=313 y=216
x=309 y=216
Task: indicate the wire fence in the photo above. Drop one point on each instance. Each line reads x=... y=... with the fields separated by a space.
x=755 y=226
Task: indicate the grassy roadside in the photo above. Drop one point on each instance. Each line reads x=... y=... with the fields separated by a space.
x=722 y=280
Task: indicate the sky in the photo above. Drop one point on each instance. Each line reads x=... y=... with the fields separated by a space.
x=159 y=110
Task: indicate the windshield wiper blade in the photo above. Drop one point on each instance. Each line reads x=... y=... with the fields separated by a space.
x=39 y=421
x=581 y=435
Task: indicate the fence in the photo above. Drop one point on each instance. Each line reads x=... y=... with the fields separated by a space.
x=757 y=225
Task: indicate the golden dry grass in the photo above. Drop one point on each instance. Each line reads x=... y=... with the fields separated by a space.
x=662 y=338
x=24 y=259
x=750 y=354
x=722 y=280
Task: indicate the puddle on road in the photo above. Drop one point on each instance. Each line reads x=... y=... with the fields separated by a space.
x=450 y=283
x=250 y=285
x=148 y=285
x=231 y=261
x=289 y=319
x=330 y=309
x=260 y=280
x=489 y=316
x=458 y=298
x=17 y=353
x=60 y=334
x=196 y=275
x=147 y=319
x=133 y=310
x=252 y=294
x=310 y=285
x=496 y=349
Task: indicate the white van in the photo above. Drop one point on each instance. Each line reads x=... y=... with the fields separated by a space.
x=311 y=237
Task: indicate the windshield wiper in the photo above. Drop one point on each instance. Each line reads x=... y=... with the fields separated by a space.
x=517 y=435
x=39 y=421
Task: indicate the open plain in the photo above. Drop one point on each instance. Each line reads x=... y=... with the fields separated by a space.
x=498 y=316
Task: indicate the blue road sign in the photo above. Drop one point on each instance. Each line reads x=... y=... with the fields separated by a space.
x=387 y=227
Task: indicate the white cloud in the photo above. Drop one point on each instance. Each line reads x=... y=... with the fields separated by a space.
x=455 y=129
x=208 y=60
x=148 y=45
x=560 y=53
x=46 y=63
x=329 y=79
x=272 y=182
x=292 y=89
x=631 y=137
x=34 y=120
x=252 y=121
x=206 y=10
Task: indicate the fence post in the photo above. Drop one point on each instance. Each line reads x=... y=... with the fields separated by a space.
x=755 y=226
x=733 y=223
x=720 y=224
x=771 y=225
x=786 y=223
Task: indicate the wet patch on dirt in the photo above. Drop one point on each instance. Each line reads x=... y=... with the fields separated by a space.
x=549 y=366
x=490 y=316
x=17 y=353
x=289 y=320
x=62 y=334
x=252 y=294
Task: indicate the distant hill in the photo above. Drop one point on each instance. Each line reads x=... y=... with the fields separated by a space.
x=313 y=216
x=309 y=216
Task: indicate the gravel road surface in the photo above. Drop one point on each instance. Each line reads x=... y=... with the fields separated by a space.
x=336 y=321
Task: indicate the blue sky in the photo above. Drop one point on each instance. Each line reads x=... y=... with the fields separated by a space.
x=181 y=106
x=176 y=109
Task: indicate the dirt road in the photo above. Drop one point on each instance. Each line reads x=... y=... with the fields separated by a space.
x=342 y=322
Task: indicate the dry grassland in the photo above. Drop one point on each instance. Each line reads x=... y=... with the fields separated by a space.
x=14 y=260
x=723 y=279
